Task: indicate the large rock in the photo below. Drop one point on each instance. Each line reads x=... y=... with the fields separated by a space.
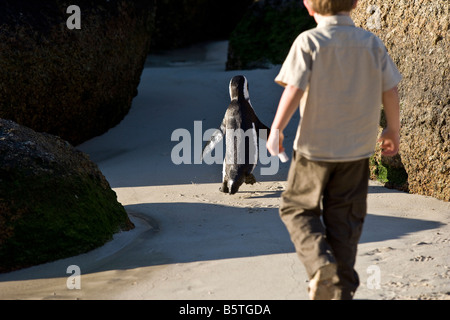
x=74 y=83
x=416 y=34
x=265 y=34
x=54 y=202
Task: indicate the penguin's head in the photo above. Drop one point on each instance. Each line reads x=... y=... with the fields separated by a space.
x=239 y=88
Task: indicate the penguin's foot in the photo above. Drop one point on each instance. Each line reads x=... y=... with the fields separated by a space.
x=250 y=179
x=224 y=188
x=234 y=189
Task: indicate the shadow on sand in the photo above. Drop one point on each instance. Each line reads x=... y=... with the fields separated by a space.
x=169 y=233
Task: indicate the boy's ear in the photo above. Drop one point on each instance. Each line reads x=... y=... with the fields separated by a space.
x=309 y=8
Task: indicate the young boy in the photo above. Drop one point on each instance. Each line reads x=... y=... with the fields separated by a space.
x=340 y=75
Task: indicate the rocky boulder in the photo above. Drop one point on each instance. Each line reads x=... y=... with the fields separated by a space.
x=54 y=202
x=74 y=83
x=416 y=34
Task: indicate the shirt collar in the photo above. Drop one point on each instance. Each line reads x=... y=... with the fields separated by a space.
x=339 y=20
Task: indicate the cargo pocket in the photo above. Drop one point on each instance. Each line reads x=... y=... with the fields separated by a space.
x=356 y=219
x=292 y=173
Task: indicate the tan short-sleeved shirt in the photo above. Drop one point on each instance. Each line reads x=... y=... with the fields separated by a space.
x=343 y=70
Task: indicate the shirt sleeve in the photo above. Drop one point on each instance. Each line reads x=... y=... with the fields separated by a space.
x=296 y=69
x=390 y=74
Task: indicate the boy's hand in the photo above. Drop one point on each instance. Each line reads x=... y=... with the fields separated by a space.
x=275 y=142
x=390 y=141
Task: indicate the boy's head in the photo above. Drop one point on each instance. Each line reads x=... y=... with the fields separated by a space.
x=329 y=7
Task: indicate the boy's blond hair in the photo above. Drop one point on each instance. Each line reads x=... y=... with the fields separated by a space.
x=331 y=7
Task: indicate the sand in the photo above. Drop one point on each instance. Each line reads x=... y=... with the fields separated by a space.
x=193 y=243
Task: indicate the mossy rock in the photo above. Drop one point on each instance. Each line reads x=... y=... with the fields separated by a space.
x=391 y=177
x=54 y=203
x=388 y=170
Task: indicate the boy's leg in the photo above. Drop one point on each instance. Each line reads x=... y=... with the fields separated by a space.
x=300 y=211
x=344 y=210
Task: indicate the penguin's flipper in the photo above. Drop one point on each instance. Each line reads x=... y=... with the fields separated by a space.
x=261 y=126
x=214 y=140
x=211 y=144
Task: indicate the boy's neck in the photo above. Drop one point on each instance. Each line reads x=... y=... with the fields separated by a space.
x=319 y=17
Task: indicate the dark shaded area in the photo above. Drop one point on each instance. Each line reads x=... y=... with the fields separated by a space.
x=265 y=34
x=182 y=22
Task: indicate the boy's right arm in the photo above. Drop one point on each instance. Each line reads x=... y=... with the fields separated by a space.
x=390 y=137
x=289 y=102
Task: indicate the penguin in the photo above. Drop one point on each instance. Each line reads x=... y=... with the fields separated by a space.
x=241 y=127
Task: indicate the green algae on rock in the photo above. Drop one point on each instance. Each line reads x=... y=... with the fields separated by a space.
x=54 y=201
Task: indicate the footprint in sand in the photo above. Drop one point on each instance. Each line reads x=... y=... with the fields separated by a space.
x=422 y=258
x=378 y=251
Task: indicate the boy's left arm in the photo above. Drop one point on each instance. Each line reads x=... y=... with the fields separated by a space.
x=390 y=137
